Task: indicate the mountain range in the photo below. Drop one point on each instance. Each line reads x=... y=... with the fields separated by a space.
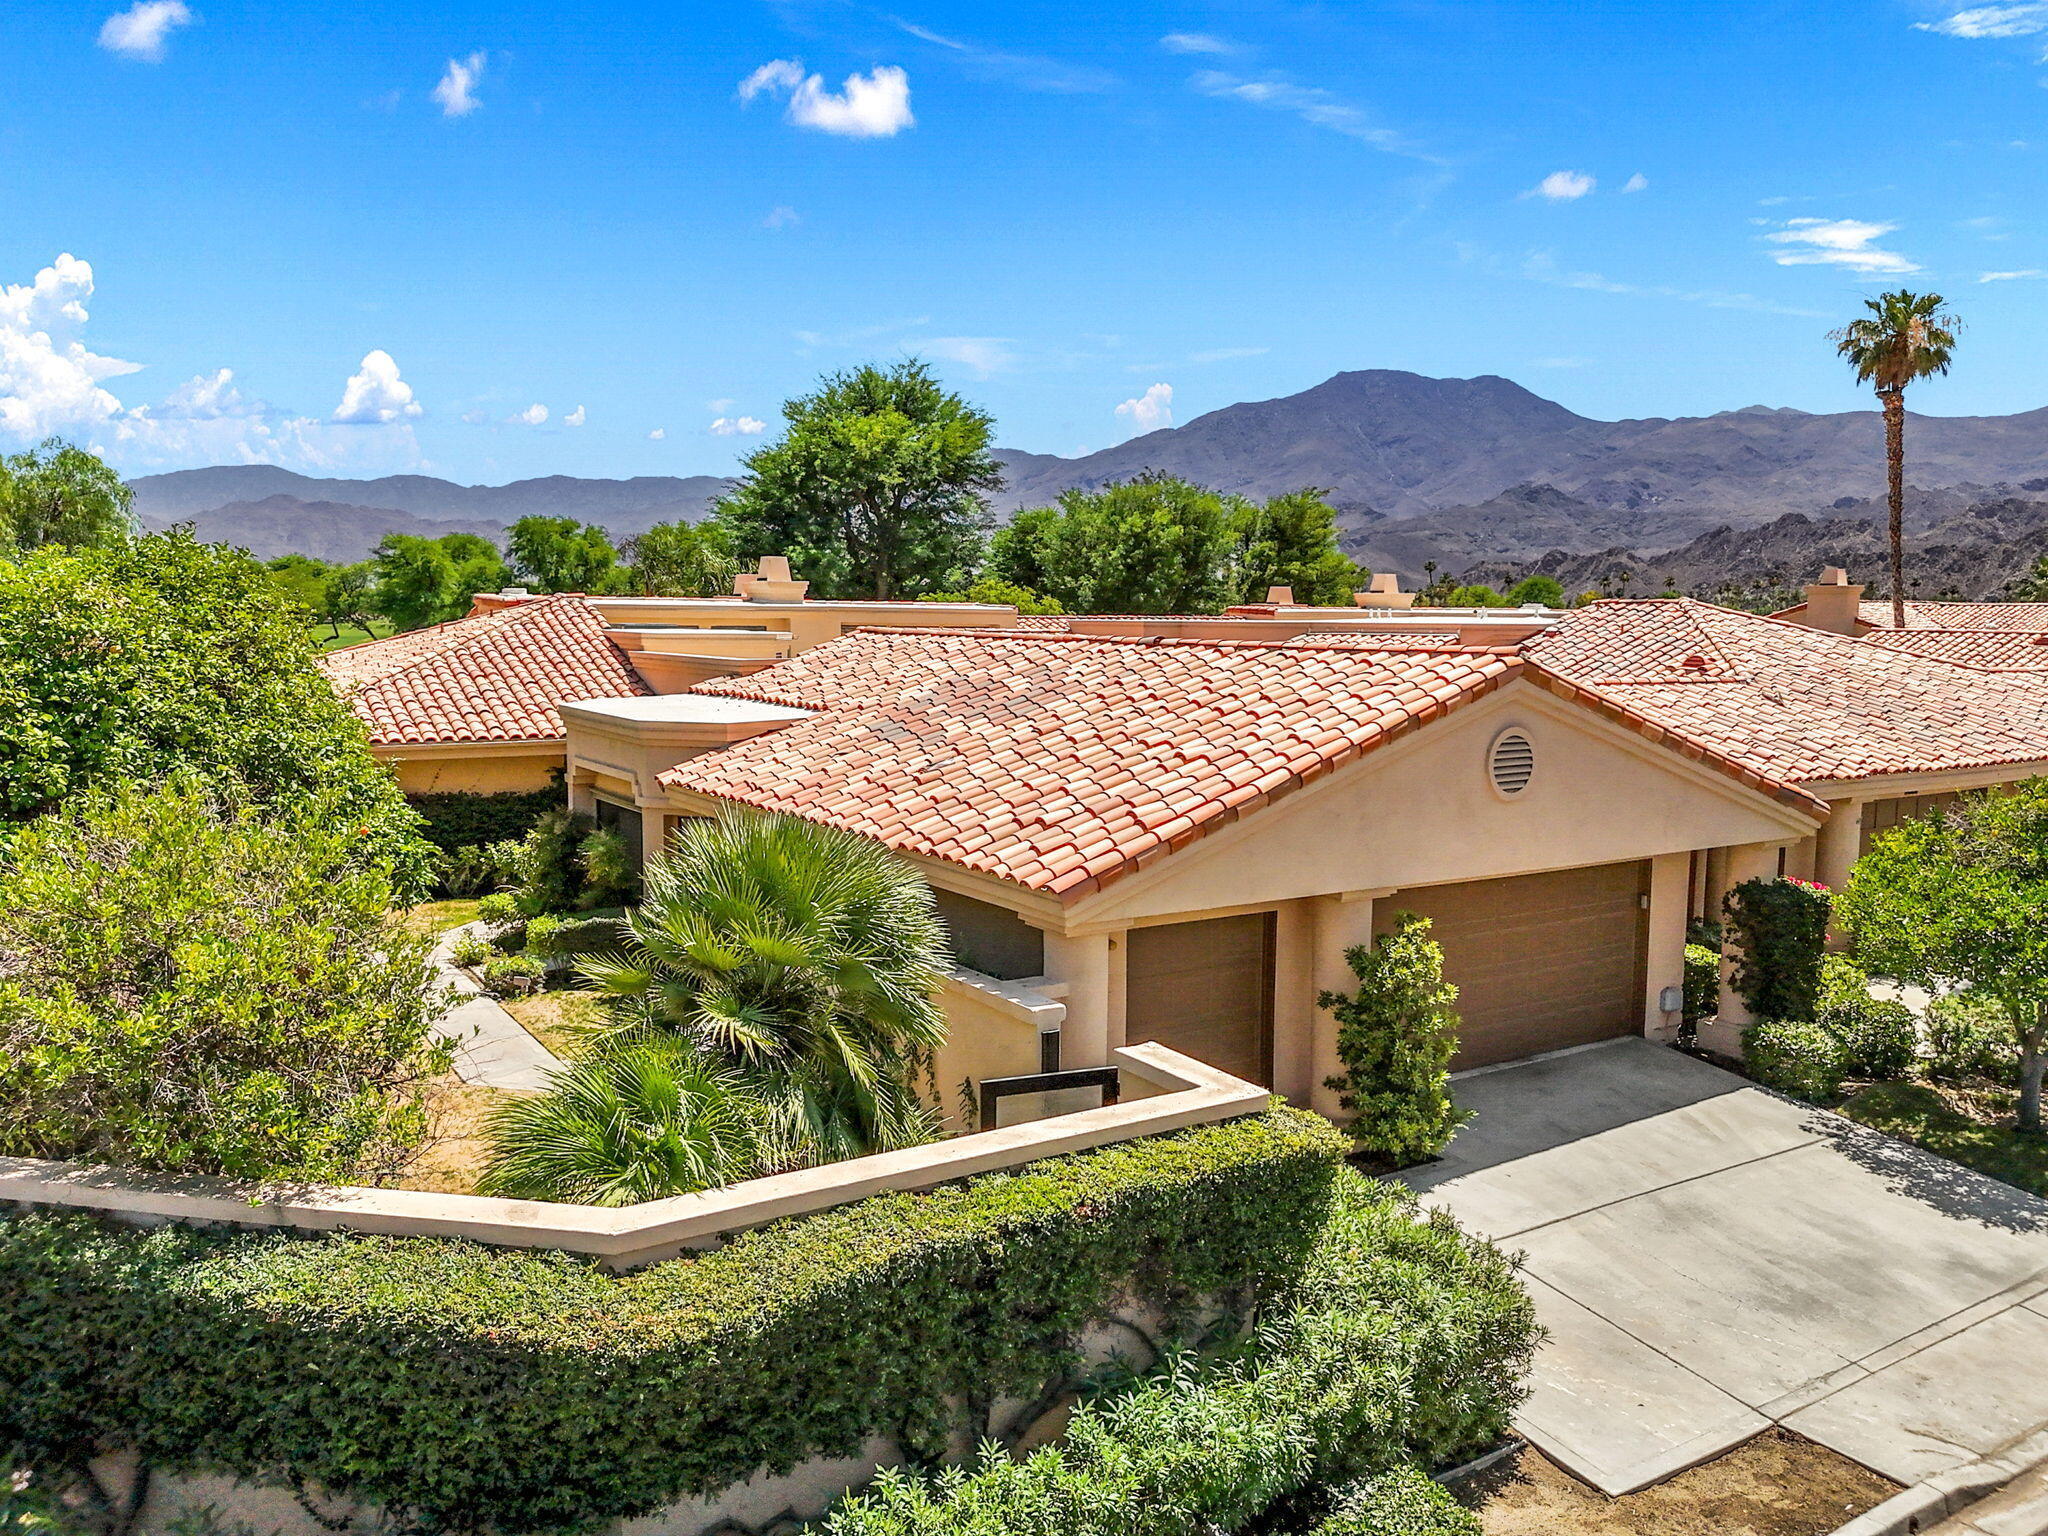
x=1458 y=471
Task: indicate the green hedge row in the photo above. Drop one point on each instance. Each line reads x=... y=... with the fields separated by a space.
x=458 y=820
x=472 y=1388
x=1403 y=1348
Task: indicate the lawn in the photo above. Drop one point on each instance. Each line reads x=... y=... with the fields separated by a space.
x=326 y=637
x=431 y=919
x=559 y=1020
x=1972 y=1126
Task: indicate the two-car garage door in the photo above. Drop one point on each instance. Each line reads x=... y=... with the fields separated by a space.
x=1540 y=961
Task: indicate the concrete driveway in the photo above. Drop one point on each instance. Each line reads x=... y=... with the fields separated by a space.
x=1710 y=1259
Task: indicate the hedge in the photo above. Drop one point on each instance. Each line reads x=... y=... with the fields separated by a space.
x=470 y=1388
x=456 y=819
x=1403 y=1349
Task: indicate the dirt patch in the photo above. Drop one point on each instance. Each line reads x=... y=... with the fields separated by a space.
x=455 y=1151
x=561 y=1021
x=1775 y=1485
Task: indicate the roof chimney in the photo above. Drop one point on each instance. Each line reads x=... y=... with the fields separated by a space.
x=1833 y=604
x=770 y=582
x=1280 y=597
x=1384 y=591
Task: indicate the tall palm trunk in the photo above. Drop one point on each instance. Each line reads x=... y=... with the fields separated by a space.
x=1895 y=465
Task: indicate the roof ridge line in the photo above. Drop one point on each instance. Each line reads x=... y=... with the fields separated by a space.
x=1293 y=642
x=515 y=613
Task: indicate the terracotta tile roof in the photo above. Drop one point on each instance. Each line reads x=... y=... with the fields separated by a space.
x=1050 y=623
x=1429 y=638
x=2031 y=617
x=492 y=677
x=1791 y=704
x=1986 y=650
x=1065 y=761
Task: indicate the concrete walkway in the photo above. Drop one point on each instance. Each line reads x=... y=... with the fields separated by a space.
x=1710 y=1259
x=493 y=1049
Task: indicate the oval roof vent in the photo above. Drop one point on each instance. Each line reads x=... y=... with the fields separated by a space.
x=1511 y=762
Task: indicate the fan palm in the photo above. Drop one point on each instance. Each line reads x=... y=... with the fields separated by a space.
x=1906 y=336
x=622 y=1126
x=805 y=959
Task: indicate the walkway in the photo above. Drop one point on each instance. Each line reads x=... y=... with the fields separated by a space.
x=1710 y=1259
x=493 y=1049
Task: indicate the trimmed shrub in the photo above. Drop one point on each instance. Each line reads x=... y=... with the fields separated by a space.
x=604 y=859
x=1396 y=1035
x=1795 y=1056
x=1969 y=1038
x=513 y=975
x=473 y=1388
x=1702 y=982
x=560 y=938
x=1779 y=929
x=470 y=950
x=498 y=908
x=1400 y=1502
x=1406 y=1343
x=1878 y=1039
x=457 y=820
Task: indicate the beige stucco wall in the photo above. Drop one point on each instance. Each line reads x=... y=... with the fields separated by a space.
x=992 y=1030
x=477 y=772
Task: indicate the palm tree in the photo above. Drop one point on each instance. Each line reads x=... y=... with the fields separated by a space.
x=1906 y=336
x=803 y=959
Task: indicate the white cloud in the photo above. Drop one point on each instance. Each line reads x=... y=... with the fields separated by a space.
x=1636 y=183
x=1563 y=186
x=739 y=426
x=1310 y=103
x=575 y=418
x=1837 y=243
x=375 y=393
x=2021 y=19
x=1195 y=42
x=533 y=416
x=207 y=397
x=782 y=216
x=51 y=382
x=657 y=434
x=2022 y=275
x=721 y=406
x=457 y=91
x=1151 y=410
x=1542 y=267
x=983 y=355
x=139 y=31
x=875 y=105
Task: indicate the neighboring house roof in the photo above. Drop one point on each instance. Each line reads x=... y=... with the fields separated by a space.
x=1052 y=623
x=1064 y=761
x=1987 y=650
x=493 y=677
x=1793 y=704
x=2032 y=618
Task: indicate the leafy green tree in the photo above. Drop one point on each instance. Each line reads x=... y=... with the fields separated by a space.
x=191 y=984
x=622 y=1126
x=1547 y=590
x=805 y=959
x=1906 y=336
x=302 y=580
x=1475 y=595
x=55 y=493
x=1290 y=541
x=558 y=554
x=679 y=560
x=993 y=589
x=1396 y=1035
x=1154 y=544
x=430 y=581
x=348 y=597
x=878 y=487
x=126 y=662
x=1960 y=898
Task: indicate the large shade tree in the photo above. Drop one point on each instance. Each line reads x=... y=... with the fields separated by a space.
x=1290 y=541
x=1960 y=898
x=1906 y=336
x=1153 y=544
x=421 y=581
x=56 y=493
x=559 y=554
x=679 y=560
x=878 y=486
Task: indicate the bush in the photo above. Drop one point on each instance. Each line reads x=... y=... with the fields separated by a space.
x=562 y=938
x=1400 y=1502
x=470 y=950
x=1878 y=1039
x=1795 y=1056
x=1702 y=983
x=513 y=975
x=1406 y=1344
x=1968 y=1038
x=1779 y=929
x=191 y=985
x=568 y=863
x=1396 y=1035
x=610 y=878
x=498 y=909
x=474 y=1388
x=456 y=819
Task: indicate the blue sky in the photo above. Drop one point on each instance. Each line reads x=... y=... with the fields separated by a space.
x=401 y=228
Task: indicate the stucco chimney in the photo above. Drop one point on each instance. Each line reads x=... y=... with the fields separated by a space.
x=1384 y=591
x=1833 y=604
x=772 y=583
x=1280 y=597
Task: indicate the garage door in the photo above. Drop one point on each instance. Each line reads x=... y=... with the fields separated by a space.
x=1205 y=989
x=1540 y=961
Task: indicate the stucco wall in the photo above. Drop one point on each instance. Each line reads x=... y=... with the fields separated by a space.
x=992 y=1031
x=482 y=774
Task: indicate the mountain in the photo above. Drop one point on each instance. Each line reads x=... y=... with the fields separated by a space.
x=330 y=530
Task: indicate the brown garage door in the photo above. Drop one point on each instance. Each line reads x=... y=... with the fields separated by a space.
x=1205 y=989
x=1540 y=961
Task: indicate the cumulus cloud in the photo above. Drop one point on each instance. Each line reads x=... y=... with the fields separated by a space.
x=1849 y=243
x=657 y=434
x=2023 y=18
x=375 y=393
x=139 y=31
x=49 y=381
x=1636 y=183
x=739 y=426
x=1151 y=410
x=533 y=416
x=1195 y=42
x=983 y=355
x=575 y=418
x=207 y=397
x=457 y=91
x=875 y=105
x=1563 y=186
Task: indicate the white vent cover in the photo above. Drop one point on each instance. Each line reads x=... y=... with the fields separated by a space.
x=1511 y=763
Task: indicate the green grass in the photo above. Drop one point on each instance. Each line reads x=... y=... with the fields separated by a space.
x=1972 y=1126
x=434 y=918
x=326 y=639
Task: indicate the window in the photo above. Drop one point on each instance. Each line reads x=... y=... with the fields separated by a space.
x=990 y=939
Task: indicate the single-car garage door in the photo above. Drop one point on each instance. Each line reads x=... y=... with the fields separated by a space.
x=1205 y=989
x=1540 y=961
